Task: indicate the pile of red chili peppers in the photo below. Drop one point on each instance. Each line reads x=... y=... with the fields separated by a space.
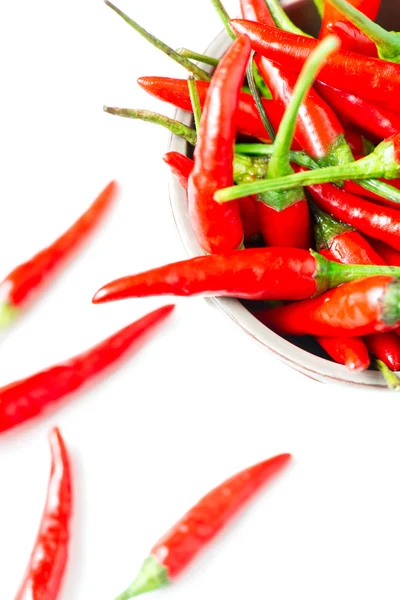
x=293 y=193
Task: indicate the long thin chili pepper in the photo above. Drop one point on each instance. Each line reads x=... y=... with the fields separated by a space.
x=384 y=162
x=181 y=166
x=359 y=308
x=45 y=571
x=215 y=229
x=253 y=274
x=247 y=118
x=256 y=10
x=389 y=254
x=181 y=60
x=370 y=78
x=352 y=38
x=387 y=42
x=331 y=14
x=372 y=118
x=180 y=545
x=351 y=352
x=25 y=281
x=284 y=216
x=349 y=247
x=27 y=398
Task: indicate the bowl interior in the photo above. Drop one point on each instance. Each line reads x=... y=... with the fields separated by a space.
x=302 y=354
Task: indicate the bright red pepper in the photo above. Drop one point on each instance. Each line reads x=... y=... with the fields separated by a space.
x=181 y=166
x=352 y=38
x=370 y=78
x=27 y=398
x=331 y=14
x=351 y=352
x=44 y=575
x=175 y=550
x=386 y=347
x=21 y=285
x=218 y=230
x=390 y=255
x=252 y=274
x=354 y=188
x=256 y=10
x=378 y=121
x=354 y=309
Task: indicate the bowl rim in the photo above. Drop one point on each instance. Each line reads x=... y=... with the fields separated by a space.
x=315 y=367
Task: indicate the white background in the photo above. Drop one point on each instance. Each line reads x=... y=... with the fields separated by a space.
x=201 y=400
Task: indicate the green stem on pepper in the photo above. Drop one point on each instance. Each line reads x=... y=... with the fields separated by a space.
x=195 y=100
x=391 y=378
x=219 y=7
x=257 y=98
x=387 y=42
x=281 y=18
x=319 y=5
x=207 y=60
x=184 y=62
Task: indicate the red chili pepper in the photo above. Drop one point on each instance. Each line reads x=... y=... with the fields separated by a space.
x=256 y=10
x=252 y=274
x=354 y=188
x=389 y=254
x=378 y=121
x=331 y=14
x=22 y=400
x=19 y=287
x=351 y=352
x=49 y=556
x=181 y=166
x=175 y=550
x=353 y=40
x=349 y=247
x=370 y=78
x=218 y=230
x=354 y=309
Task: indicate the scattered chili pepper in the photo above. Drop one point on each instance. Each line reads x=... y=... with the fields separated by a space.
x=44 y=575
x=22 y=400
x=24 y=282
x=352 y=38
x=351 y=352
x=331 y=14
x=389 y=254
x=284 y=216
x=370 y=117
x=175 y=550
x=215 y=229
x=384 y=162
x=252 y=274
x=387 y=42
x=373 y=79
x=354 y=309
x=181 y=166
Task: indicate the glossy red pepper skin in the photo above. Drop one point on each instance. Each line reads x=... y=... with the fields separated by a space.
x=389 y=254
x=19 y=287
x=370 y=117
x=317 y=127
x=354 y=188
x=373 y=220
x=370 y=8
x=352 y=248
x=386 y=347
x=176 y=92
x=181 y=166
x=256 y=10
x=350 y=352
x=181 y=544
x=353 y=40
x=373 y=79
x=218 y=228
x=288 y=227
x=44 y=575
x=354 y=309
x=27 y=398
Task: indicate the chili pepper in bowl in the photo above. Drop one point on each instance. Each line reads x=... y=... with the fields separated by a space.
x=252 y=274
x=373 y=79
x=358 y=308
x=45 y=572
x=175 y=550
x=27 y=398
x=25 y=281
x=352 y=38
x=387 y=42
x=350 y=352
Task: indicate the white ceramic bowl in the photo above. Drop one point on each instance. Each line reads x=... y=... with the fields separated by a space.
x=296 y=354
